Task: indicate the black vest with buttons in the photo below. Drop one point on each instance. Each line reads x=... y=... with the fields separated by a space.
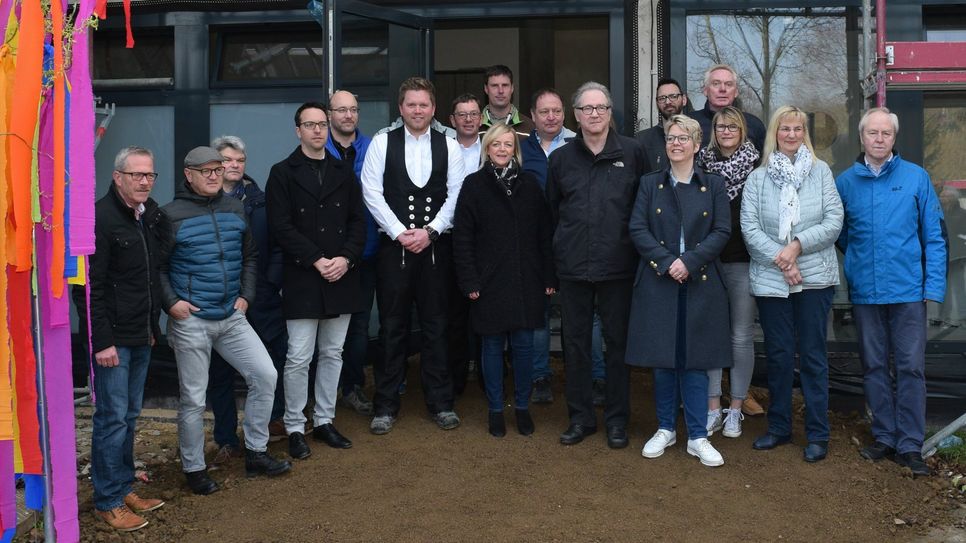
x=415 y=207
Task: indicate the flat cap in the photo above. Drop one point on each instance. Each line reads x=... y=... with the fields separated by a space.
x=202 y=155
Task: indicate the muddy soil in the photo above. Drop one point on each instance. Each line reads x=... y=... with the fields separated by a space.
x=421 y=484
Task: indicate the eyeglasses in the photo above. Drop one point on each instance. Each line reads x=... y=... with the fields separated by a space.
x=680 y=139
x=587 y=110
x=725 y=128
x=467 y=115
x=141 y=176
x=668 y=98
x=206 y=172
x=312 y=125
x=344 y=110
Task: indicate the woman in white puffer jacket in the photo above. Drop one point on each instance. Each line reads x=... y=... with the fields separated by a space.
x=791 y=215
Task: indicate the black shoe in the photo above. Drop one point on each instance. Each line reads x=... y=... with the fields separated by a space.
x=297 y=447
x=497 y=424
x=877 y=451
x=770 y=441
x=542 y=393
x=257 y=463
x=616 y=437
x=524 y=422
x=200 y=483
x=816 y=451
x=331 y=437
x=599 y=392
x=576 y=433
x=913 y=461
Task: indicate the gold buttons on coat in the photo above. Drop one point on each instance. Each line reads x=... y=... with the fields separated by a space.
x=704 y=277
x=704 y=213
x=662 y=242
x=658 y=211
x=660 y=186
x=704 y=189
x=654 y=264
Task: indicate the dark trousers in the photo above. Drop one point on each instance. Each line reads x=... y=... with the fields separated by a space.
x=577 y=311
x=898 y=403
x=357 y=337
x=463 y=344
x=797 y=323
x=221 y=392
x=405 y=279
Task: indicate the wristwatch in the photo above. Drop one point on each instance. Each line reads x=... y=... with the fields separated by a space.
x=348 y=262
x=433 y=234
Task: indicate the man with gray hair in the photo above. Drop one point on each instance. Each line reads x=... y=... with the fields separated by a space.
x=264 y=313
x=591 y=185
x=721 y=90
x=894 y=240
x=124 y=307
x=208 y=276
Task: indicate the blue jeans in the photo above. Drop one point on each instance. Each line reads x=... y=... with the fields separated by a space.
x=118 y=392
x=221 y=392
x=898 y=403
x=521 y=348
x=797 y=323
x=357 y=338
x=672 y=387
x=541 y=349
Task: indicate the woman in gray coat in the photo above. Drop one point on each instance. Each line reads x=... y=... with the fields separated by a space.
x=791 y=215
x=679 y=323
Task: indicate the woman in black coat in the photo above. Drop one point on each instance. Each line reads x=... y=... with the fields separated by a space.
x=504 y=265
x=679 y=322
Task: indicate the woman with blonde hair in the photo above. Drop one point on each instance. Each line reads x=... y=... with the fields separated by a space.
x=504 y=265
x=679 y=310
x=791 y=215
x=733 y=156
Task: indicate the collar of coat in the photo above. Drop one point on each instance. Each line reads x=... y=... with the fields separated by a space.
x=700 y=177
x=512 y=119
x=149 y=205
x=612 y=146
x=864 y=170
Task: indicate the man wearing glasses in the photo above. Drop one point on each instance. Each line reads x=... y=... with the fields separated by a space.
x=208 y=276
x=670 y=101
x=721 y=90
x=347 y=143
x=591 y=185
x=125 y=307
x=467 y=119
x=315 y=215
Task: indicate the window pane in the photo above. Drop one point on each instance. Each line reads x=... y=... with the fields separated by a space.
x=784 y=57
x=292 y=53
x=364 y=52
x=153 y=56
x=944 y=128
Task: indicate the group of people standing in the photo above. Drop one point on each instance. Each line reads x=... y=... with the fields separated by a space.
x=474 y=227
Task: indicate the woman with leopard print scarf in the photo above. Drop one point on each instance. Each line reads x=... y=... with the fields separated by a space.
x=731 y=155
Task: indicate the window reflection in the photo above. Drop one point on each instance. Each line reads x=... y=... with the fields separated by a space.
x=292 y=53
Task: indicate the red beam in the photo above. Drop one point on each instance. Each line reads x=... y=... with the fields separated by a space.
x=917 y=78
x=921 y=55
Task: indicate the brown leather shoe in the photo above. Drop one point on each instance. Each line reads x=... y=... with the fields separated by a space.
x=276 y=430
x=122 y=519
x=141 y=505
x=751 y=407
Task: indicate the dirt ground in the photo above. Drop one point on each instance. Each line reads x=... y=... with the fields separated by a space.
x=421 y=484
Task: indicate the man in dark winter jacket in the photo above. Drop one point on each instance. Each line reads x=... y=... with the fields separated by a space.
x=264 y=313
x=125 y=306
x=721 y=90
x=208 y=276
x=670 y=100
x=591 y=185
x=315 y=214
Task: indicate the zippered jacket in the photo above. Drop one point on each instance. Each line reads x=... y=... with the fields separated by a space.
x=208 y=256
x=125 y=293
x=894 y=236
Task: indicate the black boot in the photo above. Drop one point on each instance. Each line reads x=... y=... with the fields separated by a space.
x=524 y=422
x=497 y=424
x=200 y=483
x=257 y=463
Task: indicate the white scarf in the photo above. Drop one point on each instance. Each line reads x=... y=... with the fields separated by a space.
x=789 y=176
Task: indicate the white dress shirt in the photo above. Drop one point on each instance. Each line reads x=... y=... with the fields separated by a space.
x=471 y=157
x=419 y=166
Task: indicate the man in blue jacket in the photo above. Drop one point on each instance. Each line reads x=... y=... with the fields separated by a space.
x=208 y=271
x=349 y=144
x=894 y=240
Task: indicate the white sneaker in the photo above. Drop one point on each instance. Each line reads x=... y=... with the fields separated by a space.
x=715 y=420
x=732 y=423
x=705 y=452
x=656 y=445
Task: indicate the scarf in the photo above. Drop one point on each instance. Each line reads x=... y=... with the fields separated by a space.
x=506 y=176
x=734 y=169
x=789 y=176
